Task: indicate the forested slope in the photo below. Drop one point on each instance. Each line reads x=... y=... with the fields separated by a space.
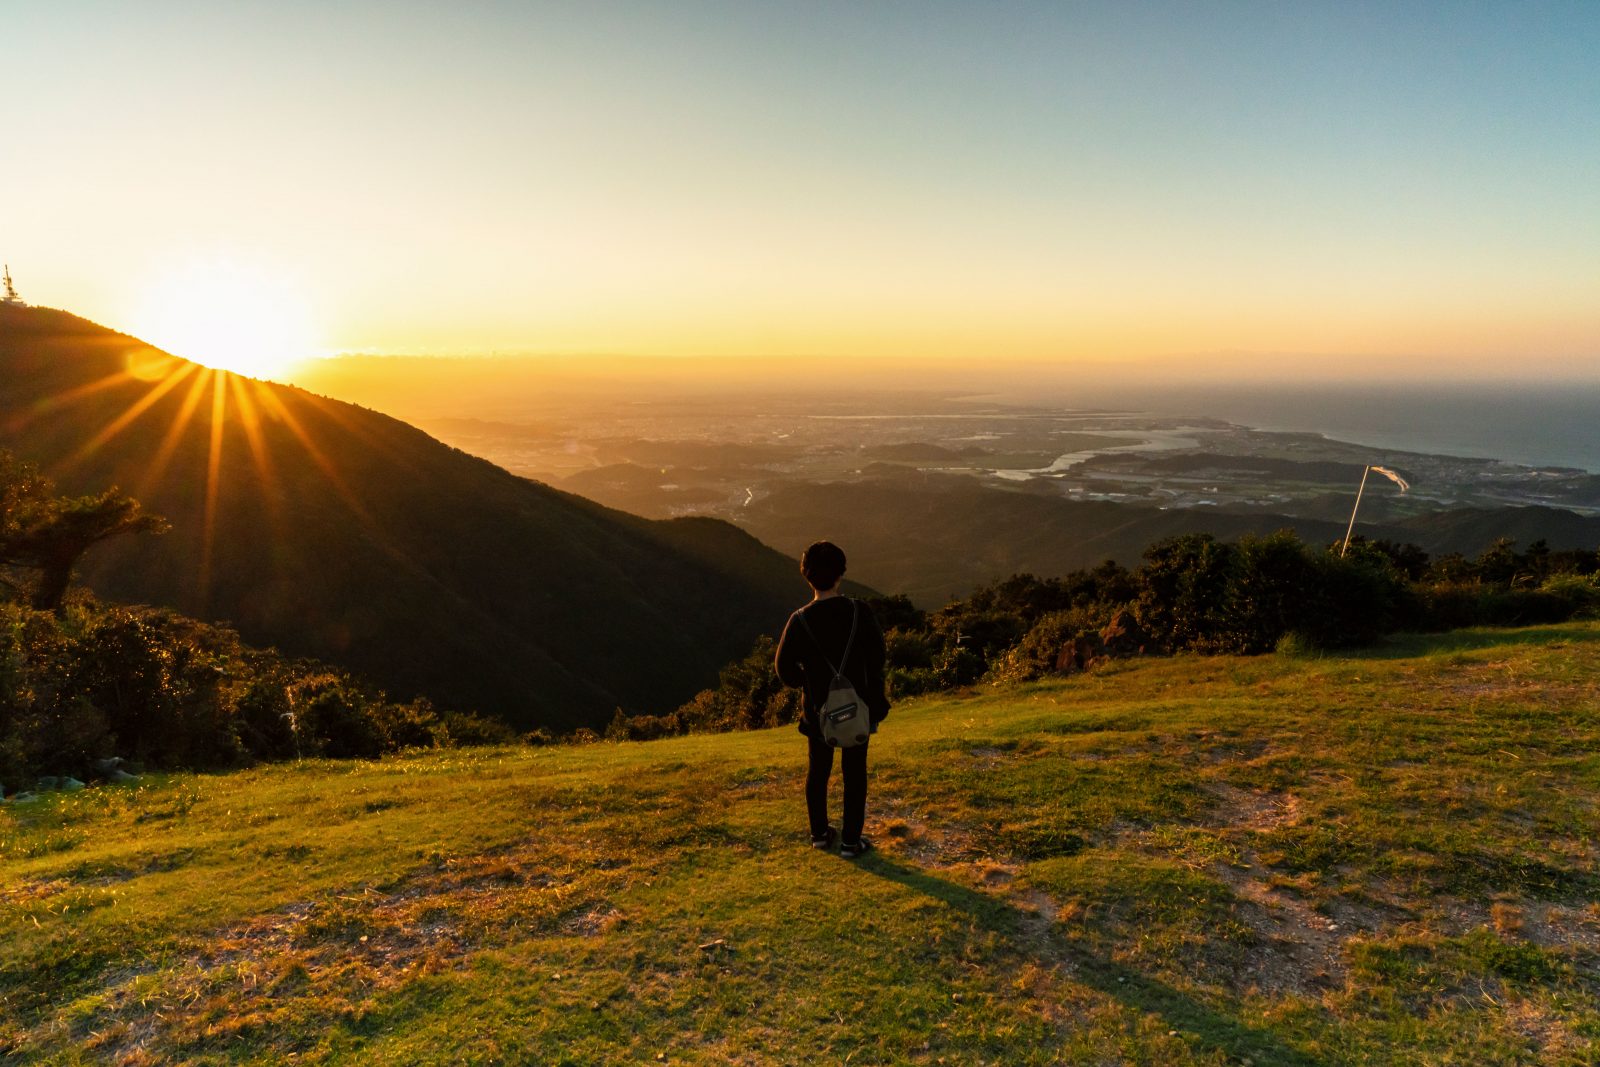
x=330 y=530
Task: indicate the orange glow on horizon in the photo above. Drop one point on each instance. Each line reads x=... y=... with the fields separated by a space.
x=229 y=317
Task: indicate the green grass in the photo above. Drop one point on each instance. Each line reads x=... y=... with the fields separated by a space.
x=1387 y=858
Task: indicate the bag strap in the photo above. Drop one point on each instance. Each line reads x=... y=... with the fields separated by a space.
x=855 y=615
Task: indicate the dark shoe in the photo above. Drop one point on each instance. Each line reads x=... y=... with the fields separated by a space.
x=860 y=848
x=826 y=840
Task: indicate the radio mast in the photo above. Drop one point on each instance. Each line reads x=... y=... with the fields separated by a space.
x=11 y=296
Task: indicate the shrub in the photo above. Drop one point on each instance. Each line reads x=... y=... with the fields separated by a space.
x=330 y=718
x=167 y=691
x=1456 y=605
x=897 y=612
x=748 y=696
x=1036 y=654
x=958 y=666
x=1580 y=591
x=1350 y=601
x=624 y=727
x=909 y=649
x=264 y=719
x=1523 y=607
x=465 y=728
x=1271 y=584
x=413 y=725
x=899 y=682
x=1295 y=644
x=1184 y=590
x=1242 y=598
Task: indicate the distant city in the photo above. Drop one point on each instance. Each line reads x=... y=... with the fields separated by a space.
x=721 y=457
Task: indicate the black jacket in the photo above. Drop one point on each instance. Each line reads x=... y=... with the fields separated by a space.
x=803 y=663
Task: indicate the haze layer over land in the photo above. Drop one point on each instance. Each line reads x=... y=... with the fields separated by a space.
x=937 y=494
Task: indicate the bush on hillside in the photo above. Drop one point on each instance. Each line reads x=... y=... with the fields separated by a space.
x=625 y=727
x=167 y=691
x=1195 y=593
x=1455 y=605
x=1204 y=595
x=1184 y=588
x=747 y=696
x=897 y=612
x=1037 y=654
x=1582 y=591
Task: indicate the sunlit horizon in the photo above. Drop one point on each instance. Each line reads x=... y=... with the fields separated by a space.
x=1121 y=189
x=228 y=316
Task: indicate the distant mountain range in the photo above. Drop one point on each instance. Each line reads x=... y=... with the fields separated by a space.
x=937 y=536
x=333 y=531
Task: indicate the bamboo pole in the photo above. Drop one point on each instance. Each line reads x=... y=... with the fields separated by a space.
x=1352 y=526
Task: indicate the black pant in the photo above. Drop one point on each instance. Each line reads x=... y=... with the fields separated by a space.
x=853 y=765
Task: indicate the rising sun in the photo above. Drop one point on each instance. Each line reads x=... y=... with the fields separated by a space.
x=227 y=316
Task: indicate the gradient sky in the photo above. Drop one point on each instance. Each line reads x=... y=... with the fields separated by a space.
x=1412 y=185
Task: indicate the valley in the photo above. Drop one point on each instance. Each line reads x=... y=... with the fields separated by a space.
x=720 y=455
x=940 y=494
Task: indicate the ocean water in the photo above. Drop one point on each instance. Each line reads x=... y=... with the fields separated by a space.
x=1539 y=425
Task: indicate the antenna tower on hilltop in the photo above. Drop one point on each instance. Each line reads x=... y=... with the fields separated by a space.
x=11 y=296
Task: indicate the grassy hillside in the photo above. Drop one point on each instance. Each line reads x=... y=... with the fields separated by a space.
x=332 y=531
x=1381 y=859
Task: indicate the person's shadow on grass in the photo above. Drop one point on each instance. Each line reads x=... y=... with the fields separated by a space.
x=1205 y=1028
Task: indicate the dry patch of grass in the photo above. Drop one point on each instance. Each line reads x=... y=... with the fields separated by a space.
x=341 y=955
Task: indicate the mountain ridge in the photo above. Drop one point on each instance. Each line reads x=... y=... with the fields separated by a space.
x=334 y=531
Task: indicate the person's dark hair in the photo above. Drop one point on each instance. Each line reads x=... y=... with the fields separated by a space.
x=823 y=565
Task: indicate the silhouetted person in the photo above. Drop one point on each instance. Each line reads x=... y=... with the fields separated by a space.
x=813 y=644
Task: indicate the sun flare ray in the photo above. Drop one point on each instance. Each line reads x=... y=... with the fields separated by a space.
x=273 y=402
x=260 y=455
x=76 y=393
x=175 y=432
x=219 y=405
x=336 y=414
x=126 y=419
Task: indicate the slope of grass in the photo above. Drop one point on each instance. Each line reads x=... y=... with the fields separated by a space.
x=1385 y=858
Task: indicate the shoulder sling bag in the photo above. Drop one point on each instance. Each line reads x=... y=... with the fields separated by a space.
x=843 y=716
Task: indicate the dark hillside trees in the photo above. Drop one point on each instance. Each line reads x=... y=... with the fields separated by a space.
x=48 y=535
